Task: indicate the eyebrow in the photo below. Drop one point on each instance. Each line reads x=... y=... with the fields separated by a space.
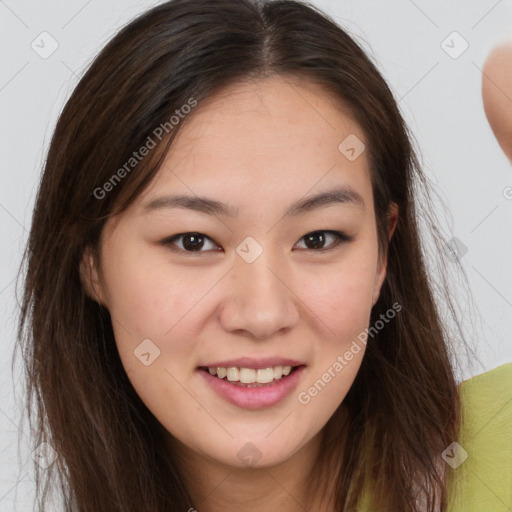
x=341 y=195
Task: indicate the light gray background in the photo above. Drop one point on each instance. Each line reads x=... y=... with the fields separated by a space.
x=439 y=96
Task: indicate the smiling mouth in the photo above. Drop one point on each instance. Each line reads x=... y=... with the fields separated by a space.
x=235 y=376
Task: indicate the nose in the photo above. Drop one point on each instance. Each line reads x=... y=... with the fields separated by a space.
x=260 y=299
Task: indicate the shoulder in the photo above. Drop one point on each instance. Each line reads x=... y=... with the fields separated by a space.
x=487 y=405
x=499 y=378
x=480 y=462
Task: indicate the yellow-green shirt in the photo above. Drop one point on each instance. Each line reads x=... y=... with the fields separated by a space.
x=483 y=481
x=479 y=463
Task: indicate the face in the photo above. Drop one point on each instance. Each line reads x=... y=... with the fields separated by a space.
x=274 y=277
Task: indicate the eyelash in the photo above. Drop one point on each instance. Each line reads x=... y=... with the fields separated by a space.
x=340 y=238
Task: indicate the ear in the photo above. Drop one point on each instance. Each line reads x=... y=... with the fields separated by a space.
x=392 y=217
x=89 y=276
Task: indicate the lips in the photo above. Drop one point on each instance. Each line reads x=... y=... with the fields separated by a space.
x=256 y=364
x=246 y=397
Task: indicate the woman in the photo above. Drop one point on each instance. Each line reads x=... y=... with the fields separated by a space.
x=227 y=305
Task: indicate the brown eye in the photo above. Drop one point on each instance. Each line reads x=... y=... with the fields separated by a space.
x=191 y=242
x=317 y=239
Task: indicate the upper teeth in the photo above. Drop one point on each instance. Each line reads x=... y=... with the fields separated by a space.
x=250 y=375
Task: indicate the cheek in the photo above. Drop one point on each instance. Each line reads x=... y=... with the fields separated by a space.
x=147 y=302
x=151 y=314
x=341 y=298
x=341 y=295
x=149 y=297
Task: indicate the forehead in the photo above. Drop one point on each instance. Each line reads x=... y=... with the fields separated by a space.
x=276 y=112
x=278 y=137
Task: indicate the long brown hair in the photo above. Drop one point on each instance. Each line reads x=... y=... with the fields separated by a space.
x=403 y=405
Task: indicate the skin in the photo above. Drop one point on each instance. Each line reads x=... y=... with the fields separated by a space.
x=497 y=95
x=258 y=146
